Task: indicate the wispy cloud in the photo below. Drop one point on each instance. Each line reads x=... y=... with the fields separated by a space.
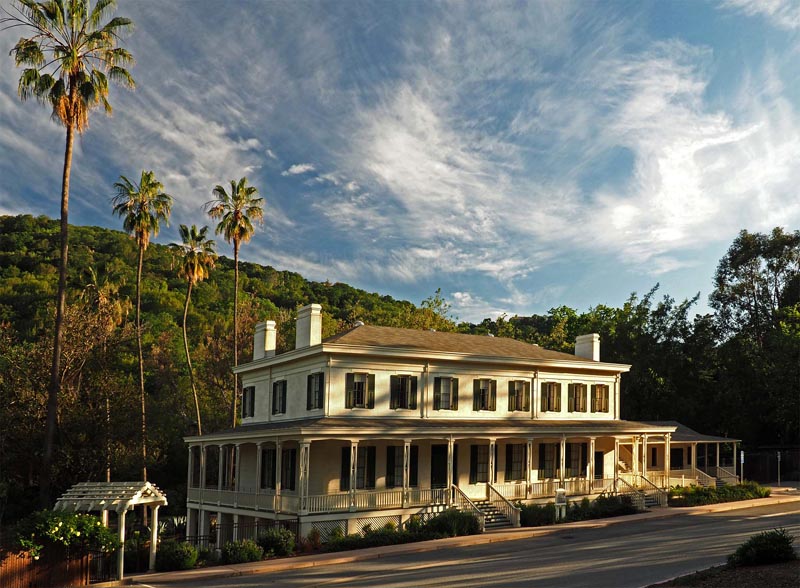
x=781 y=13
x=298 y=169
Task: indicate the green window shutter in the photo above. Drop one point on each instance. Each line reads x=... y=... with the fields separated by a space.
x=349 y=384
x=394 y=391
x=584 y=457
x=541 y=458
x=370 y=469
x=437 y=394
x=605 y=398
x=413 y=466
x=526 y=397
x=283 y=398
x=509 y=459
x=390 y=464
x=476 y=394
x=493 y=395
x=454 y=393
x=545 y=389
x=344 y=476
x=558 y=396
x=309 y=392
x=571 y=397
x=473 y=464
x=512 y=391
x=274 y=397
x=412 y=402
x=371 y=391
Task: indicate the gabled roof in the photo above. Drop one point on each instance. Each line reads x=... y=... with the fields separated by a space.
x=436 y=341
x=685 y=434
x=116 y=496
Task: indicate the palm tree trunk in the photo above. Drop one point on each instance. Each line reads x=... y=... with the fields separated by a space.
x=189 y=359
x=54 y=388
x=141 y=360
x=235 y=328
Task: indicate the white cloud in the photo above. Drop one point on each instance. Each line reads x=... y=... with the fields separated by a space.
x=298 y=168
x=784 y=14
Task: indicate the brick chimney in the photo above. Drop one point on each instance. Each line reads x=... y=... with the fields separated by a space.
x=309 y=326
x=264 y=340
x=588 y=346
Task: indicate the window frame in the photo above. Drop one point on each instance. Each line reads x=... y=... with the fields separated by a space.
x=279 y=397
x=403 y=392
x=248 y=402
x=315 y=391
x=519 y=396
x=452 y=393
x=551 y=396
x=484 y=394
x=600 y=398
x=576 y=397
x=351 y=390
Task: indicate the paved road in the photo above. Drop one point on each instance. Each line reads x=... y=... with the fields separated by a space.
x=623 y=555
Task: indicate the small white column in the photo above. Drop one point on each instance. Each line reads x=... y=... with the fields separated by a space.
x=635 y=451
x=154 y=536
x=259 y=465
x=667 y=458
x=450 y=450
x=353 y=473
x=590 y=459
x=693 y=457
x=717 y=462
x=236 y=474
x=406 y=470
x=734 y=461
x=203 y=460
x=562 y=460
x=644 y=455
x=528 y=467
x=616 y=462
x=221 y=469
x=235 y=527
x=278 y=460
x=303 y=470
x=492 y=465
x=190 y=468
x=121 y=550
x=219 y=530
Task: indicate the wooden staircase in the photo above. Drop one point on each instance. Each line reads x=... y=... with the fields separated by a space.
x=494 y=518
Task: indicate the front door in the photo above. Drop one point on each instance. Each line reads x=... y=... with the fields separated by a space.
x=439 y=466
x=598 y=465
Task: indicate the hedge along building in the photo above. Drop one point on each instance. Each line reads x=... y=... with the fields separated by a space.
x=377 y=424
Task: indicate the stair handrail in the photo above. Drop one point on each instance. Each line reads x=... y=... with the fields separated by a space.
x=463 y=502
x=636 y=495
x=659 y=492
x=704 y=479
x=726 y=475
x=501 y=503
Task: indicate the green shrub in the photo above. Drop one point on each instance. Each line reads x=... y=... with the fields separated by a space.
x=75 y=530
x=453 y=523
x=699 y=495
x=241 y=552
x=314 y=538
x=207 y=556
x=769 y=547
x=175 y=555
x=336 y=534
x=535 y=515
x=277 y=542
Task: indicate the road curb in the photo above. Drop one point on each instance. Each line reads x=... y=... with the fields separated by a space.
x=498 y=536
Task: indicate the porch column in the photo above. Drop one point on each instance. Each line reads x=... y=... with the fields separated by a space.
x=667 y=458
x=121 y=550
x=693 y=457
x=221 y=470
x=734 y=461
x=590 y=459
x=278 y=459
x=190 y=469
x=353 y=473
x=154 y=536
x=644 y=455
x=406 y=470
x=203 y=460
x=450 y=444
x=259 y=465
x=305 y=460
x=235 y=527
x=616 y=462
x=492 y=465
x=237 y=474
x=528 y=467
x=190 y=521
x=562 y=460
x=635 y=458
x=219 y=530
x=717 y=462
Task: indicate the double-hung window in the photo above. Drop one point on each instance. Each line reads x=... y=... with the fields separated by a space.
x=445 y=394
x=599 y=398
x=314 y=391
x=576 y=398
x=360 y=390
x=549 y=457
x=289 y=469
x=248 y=401
x=484 y=394
x=516 y=460
x=279 y=397
x=365 y=469
x=478 y=463
x=519 y=396
x=394 y=466
x=403 y=392
x=551 y=397
x=268 y=468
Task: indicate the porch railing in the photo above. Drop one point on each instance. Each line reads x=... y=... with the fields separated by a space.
x=653 y=491
x=462 y=502
x=624 y=488
x=543 y=488
x=426 y=496
x=576 y=486
x=513 y=490
x=704 y=479
x=501 y=503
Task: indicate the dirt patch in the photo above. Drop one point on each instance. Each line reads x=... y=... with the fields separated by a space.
x=783 y=575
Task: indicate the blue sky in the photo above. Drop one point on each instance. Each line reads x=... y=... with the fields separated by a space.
x=519 y=156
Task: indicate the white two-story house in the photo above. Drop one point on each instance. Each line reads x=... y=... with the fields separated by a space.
x=377 y=424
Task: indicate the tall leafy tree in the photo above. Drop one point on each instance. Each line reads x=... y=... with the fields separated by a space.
x=236 y=212
x=142 y=207
x=69 y=57
x=199 y=257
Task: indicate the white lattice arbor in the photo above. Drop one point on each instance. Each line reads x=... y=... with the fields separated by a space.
x=119 y=497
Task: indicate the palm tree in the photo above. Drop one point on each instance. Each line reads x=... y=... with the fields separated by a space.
x=198 y=260
x=69 y=58
x=142 y=207
x=236 y=212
